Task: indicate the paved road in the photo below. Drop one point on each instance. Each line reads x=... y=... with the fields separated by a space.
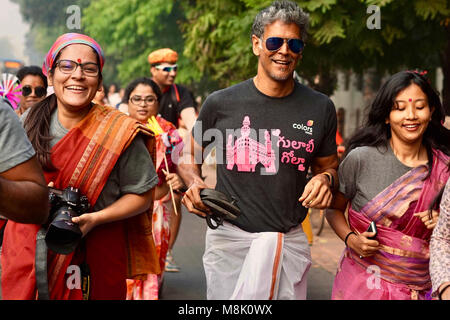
x=190 y=284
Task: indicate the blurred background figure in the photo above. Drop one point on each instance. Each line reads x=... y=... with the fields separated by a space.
x=113 y=96
x=34 y=87
x=100 y=96
x=176 y=106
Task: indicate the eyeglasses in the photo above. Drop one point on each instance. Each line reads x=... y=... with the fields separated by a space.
x=150 y=100
x=90 y=69
x=275 y=43
x=167 y=68
x=38 y=91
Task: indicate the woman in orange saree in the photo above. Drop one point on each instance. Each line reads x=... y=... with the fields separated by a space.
x=395 y=167
x=85 y=146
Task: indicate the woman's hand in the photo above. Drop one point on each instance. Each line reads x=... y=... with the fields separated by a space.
x=174 y=180
x=86 y=222
x=425 y=217
x=363 y=246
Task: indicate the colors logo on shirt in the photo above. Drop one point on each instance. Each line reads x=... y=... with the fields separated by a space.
x=307 y=129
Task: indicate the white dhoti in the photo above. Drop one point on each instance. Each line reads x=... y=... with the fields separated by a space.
x=256 y=266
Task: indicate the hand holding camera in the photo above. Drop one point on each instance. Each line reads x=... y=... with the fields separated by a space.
x=63 y=233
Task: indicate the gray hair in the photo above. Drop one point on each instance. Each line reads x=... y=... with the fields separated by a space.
x=285 y=11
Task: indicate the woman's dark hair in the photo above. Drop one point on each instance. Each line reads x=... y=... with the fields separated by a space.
x=145 y=81
x=37 y=122
x=375 y=132
x=31 y=71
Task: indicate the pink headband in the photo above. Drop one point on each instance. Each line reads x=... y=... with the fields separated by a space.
x=66 y=40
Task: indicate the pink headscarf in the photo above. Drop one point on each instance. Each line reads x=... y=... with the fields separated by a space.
x=68 y=39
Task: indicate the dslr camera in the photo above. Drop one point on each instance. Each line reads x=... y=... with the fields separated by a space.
x=62 y=234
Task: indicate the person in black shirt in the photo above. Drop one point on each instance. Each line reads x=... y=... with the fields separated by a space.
x=268 y=131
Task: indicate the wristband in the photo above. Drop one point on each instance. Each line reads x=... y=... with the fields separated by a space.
x=346 y=237
x=330 y=178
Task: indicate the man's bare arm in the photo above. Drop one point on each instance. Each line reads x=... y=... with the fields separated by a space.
x=190 y=172
x=188 y=116
x=24 y=193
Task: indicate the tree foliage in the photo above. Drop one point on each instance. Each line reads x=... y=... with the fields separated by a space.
x=129 y=30
x=48 y=20
x=412 y=35
x=212 y=37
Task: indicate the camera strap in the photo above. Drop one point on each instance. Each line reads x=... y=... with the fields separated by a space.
x=41 y=266
x=85 y=273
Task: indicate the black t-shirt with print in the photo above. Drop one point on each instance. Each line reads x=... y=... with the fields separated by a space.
x=264 y=147
x=173 y=102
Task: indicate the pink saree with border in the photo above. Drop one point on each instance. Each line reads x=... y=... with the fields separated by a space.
x=399 y=270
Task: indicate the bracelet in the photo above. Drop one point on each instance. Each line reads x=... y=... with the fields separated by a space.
x=330 y=178
x=442 y=291
x=346 y=237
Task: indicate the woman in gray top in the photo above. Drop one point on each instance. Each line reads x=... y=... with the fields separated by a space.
x=107 y=156
x=395 y=166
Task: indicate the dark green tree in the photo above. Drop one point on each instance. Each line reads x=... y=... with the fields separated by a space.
x=48 y=20
x=129 y=30
x=413 y=34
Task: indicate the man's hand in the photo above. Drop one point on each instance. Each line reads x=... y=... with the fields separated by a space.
x=317 y=193
x=192 y=199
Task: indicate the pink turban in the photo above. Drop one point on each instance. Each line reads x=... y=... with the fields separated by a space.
x=66 y=40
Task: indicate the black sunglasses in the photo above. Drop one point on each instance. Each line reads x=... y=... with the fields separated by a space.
x=38 y=91
x=275 y=43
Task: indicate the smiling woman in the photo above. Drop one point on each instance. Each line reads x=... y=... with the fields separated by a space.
x=143 y=96
x=395 y=166
x=85 y=146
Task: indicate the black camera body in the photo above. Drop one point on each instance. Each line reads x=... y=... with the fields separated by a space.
x=62 y=234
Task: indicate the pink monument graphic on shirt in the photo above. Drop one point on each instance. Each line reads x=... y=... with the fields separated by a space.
x=246 y=152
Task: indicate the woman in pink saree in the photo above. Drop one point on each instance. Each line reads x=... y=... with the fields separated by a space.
x=395 y=167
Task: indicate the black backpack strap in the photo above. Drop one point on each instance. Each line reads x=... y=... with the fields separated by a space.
x=41 y=266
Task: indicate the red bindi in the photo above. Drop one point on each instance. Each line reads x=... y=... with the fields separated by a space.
x=79 y=60
x=409 y=99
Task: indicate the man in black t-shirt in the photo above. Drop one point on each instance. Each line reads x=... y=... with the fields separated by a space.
x=268 y=131
x=177 y=106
